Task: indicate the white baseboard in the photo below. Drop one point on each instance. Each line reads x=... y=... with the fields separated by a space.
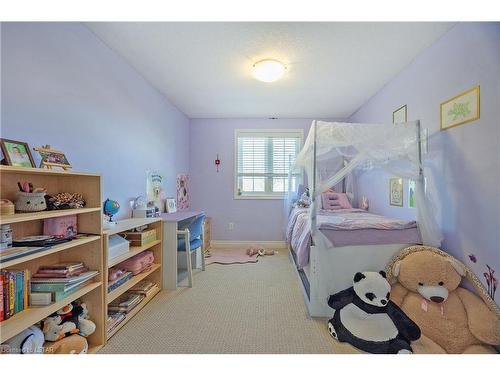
x=223 y=244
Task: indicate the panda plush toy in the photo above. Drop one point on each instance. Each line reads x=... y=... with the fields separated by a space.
x=366 y=318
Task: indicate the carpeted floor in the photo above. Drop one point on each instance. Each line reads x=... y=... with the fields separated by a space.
x=248 y=308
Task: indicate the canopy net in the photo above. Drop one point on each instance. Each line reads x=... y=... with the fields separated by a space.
x=334 y=151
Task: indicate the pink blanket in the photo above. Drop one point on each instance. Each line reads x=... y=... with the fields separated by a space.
x=298 y=230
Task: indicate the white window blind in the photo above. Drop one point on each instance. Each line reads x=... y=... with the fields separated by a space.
x=263 y=159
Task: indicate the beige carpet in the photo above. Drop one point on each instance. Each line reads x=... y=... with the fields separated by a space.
x=248 y=308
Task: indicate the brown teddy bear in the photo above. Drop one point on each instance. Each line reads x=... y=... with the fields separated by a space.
x=451 y=318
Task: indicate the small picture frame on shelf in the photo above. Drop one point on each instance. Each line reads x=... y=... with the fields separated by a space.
x=396 y=192
x=171 y=205
x=16 y=153
x=52 y=158
x=400 y=115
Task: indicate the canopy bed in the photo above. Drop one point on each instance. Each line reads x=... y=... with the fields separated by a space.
x=330 y=241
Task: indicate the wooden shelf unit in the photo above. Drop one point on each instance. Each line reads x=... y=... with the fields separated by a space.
x=154 y=273
x=87 y=250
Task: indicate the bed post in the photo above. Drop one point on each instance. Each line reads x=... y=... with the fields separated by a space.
x=419 y=145
x=313 y=187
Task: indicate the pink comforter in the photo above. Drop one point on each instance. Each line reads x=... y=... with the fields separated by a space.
x=298 y=230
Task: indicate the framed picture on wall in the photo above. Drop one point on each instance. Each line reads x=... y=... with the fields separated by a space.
x=412 y=184
x=171 y=205
x=400 y=115
x=16 y=154
x=396 y=192
x=461 y=109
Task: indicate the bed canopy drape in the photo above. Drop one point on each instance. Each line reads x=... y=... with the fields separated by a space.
x=333 y=151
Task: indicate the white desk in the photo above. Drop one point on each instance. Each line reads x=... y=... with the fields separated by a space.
x=170 y=226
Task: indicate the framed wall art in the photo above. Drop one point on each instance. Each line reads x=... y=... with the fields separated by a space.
x=400 y=115
x=461 y=109
x=396 y=192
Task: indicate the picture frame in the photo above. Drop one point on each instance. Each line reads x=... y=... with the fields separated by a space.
x=52 y=158
x=171 y=205
x=461 y=109
x=396 y=195
x=400 y=115
x=16 y=153
x=182 y=189
x=412 y=185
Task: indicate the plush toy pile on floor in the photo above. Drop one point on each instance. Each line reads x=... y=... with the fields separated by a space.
x=366 y=318
x=452 y=319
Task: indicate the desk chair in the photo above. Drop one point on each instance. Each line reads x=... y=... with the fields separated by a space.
x=189 y=240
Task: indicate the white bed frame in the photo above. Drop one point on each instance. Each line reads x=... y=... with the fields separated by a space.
x=331 y=269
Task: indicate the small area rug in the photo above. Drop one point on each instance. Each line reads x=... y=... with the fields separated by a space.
x=230 y=256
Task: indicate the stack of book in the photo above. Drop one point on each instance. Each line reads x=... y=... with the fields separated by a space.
x=14 y=292
x=122 y=279
x=144 y=287
x=61 y=279
x=114 y=319
x=125 y=303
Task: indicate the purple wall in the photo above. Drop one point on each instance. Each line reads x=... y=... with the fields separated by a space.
x=62 y=86
x=464 y=161
x=254 y=219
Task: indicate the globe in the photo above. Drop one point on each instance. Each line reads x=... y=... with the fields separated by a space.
x=110 y=208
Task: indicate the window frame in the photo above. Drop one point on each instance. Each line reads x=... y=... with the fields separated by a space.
x=263 y=133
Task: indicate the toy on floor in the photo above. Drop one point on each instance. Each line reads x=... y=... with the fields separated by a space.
x=259 y=250
x=452 y=319
x=365 y=317
x=29 y=341
x=73 y=344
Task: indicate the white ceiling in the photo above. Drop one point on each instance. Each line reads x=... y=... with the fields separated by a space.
x=205 y=68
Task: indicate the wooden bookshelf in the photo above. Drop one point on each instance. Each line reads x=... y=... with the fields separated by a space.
x=86 y=249
x=154 y=273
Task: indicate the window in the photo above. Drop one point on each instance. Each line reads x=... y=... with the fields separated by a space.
x=263 y=159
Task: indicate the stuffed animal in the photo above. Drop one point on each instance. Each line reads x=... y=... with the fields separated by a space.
x=29 y=341
x=77 y=313
x=54 y=329
x=73 y=344
x=259 y=250
x=452 y=319
x=86 y=326
x=366 y=318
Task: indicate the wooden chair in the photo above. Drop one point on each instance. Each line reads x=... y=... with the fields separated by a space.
x=189 y=240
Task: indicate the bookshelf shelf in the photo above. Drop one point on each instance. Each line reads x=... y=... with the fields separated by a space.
x=22 y=217
x=134 y=250
x=52 y=250
x=85 y=249
x=132 y=313
x=130 y=283
x=26 y=318
x=6 y=169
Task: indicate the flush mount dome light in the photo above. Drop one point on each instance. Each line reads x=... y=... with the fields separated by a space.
x=268 y=70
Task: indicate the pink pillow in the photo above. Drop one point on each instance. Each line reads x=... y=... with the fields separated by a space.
x=335 y=201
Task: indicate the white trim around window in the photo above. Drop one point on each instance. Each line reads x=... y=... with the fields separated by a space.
x=260 y=159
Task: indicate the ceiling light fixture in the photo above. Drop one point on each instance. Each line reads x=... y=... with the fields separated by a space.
x=268 y=70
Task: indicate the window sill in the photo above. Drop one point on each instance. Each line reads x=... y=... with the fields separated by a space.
x=262 y=197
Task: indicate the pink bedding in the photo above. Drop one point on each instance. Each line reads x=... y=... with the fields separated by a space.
x=348 y=227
